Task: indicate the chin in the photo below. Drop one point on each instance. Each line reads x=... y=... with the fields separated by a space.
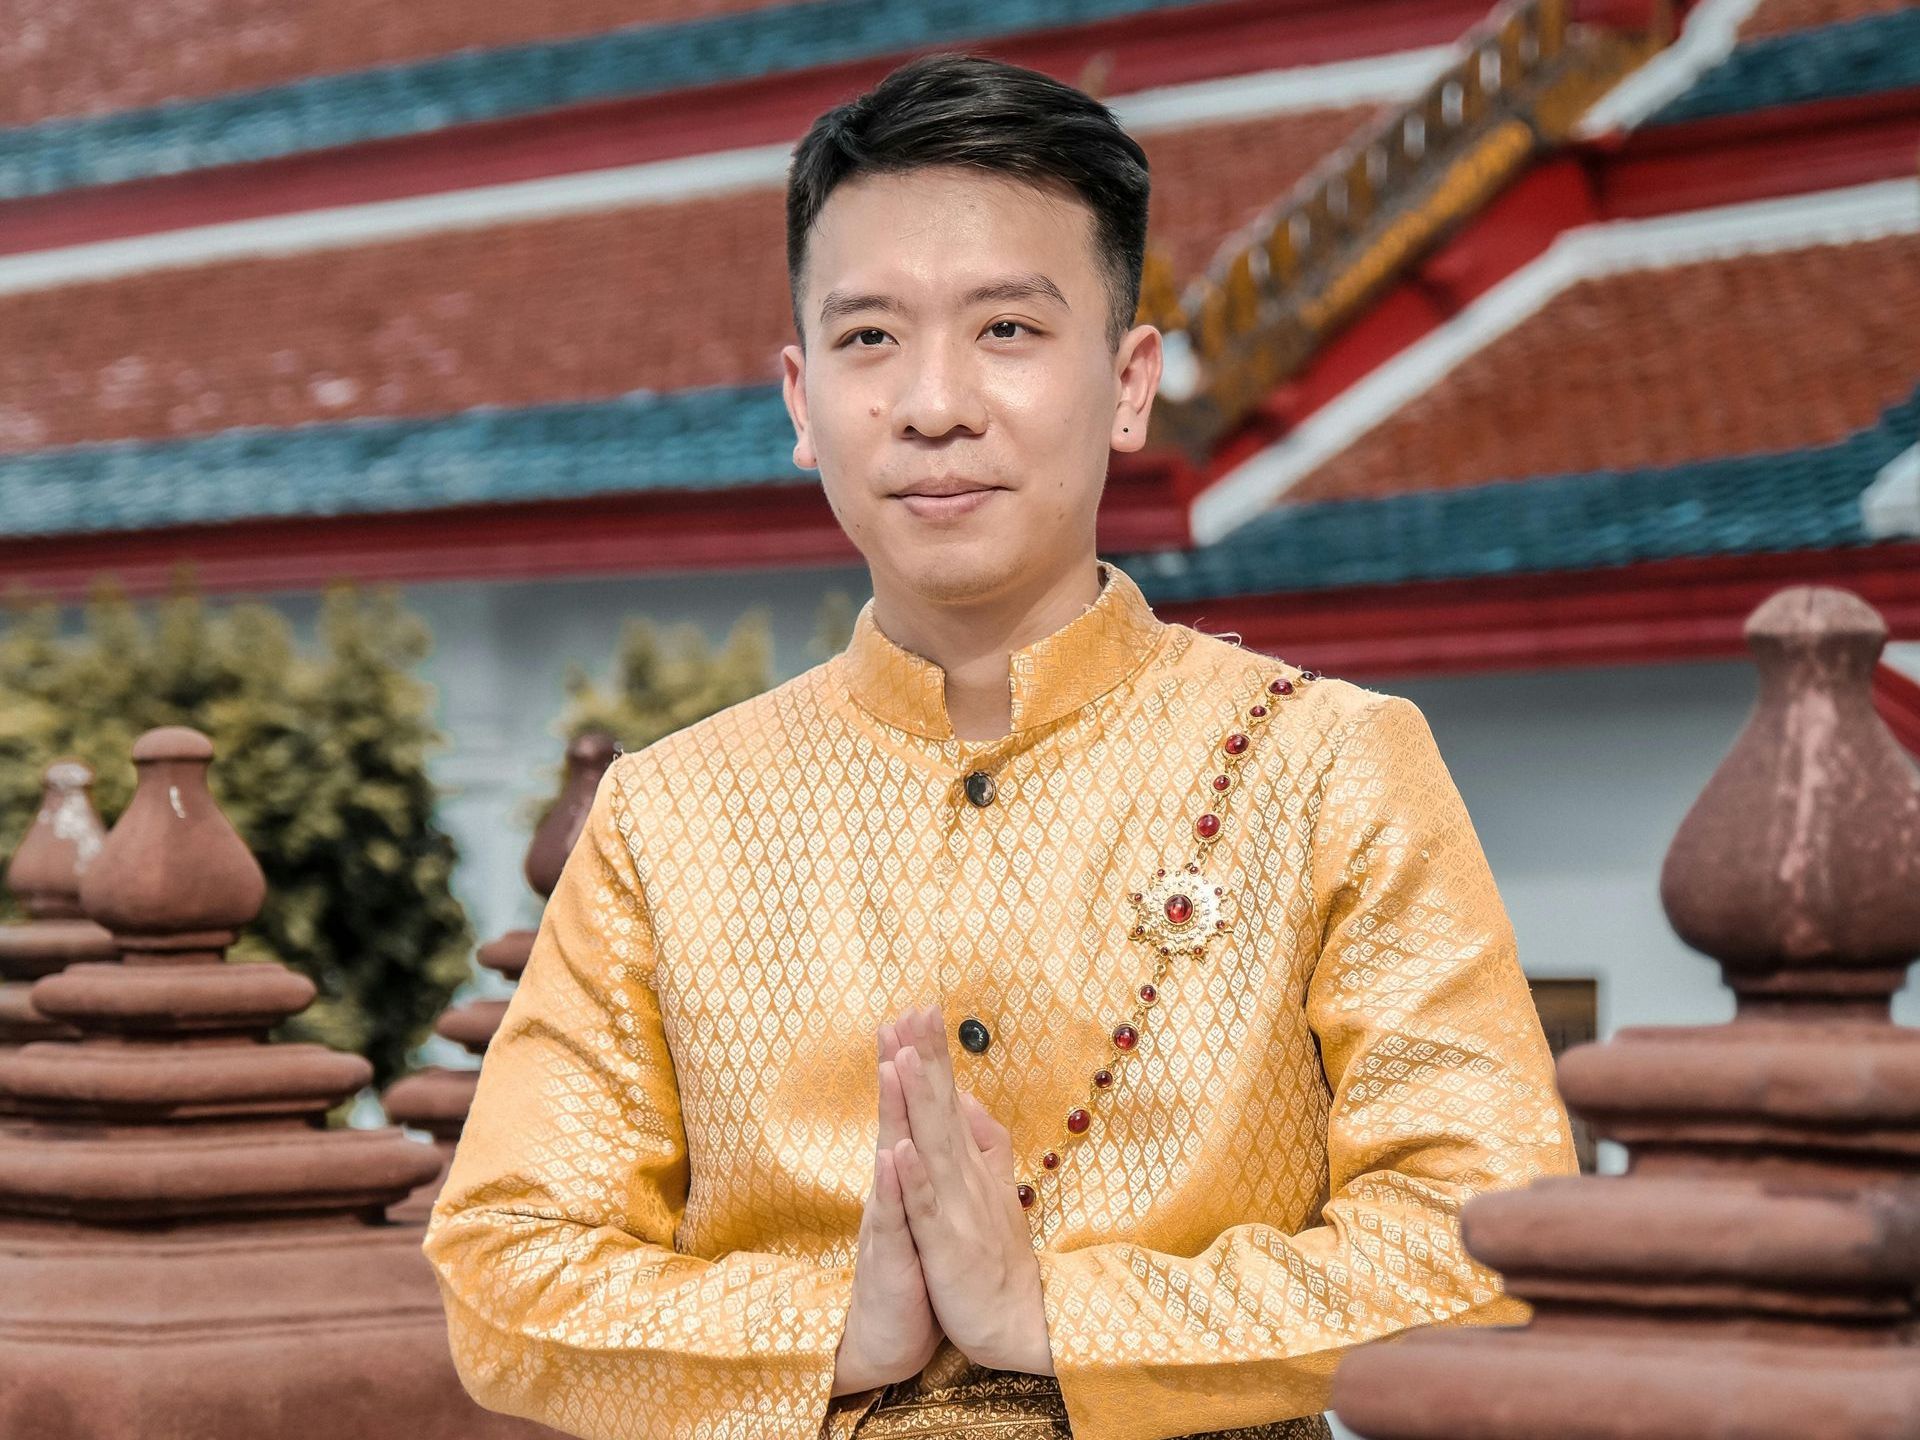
x=959 y=571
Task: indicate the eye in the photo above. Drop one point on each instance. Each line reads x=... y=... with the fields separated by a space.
x=1016 y=324
x=860 y=334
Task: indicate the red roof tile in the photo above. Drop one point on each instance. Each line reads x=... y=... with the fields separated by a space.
x=1655 y=367
x=665 y=297
x=1774 y=17
x=119 y=54
x=1211 y=179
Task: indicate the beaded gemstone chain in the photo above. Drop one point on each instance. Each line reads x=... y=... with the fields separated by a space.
x=1176 y=913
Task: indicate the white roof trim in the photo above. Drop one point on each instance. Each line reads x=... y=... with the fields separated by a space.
x=1270 y=92
x=344 y=226
x=1709 y=36
x=1376 y=79
x=1834 y=217
x=1890 y=506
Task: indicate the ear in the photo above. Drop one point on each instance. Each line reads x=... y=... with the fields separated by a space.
x=793 y=389
x=1137 y=370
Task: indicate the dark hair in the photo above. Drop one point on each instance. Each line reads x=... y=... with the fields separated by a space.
x=968 y=110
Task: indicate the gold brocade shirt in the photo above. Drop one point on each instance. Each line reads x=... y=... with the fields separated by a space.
x=649 y=1226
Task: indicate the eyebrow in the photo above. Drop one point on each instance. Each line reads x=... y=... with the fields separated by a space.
x=841 y=303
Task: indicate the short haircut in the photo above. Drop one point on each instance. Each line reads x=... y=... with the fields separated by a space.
x=968 y=110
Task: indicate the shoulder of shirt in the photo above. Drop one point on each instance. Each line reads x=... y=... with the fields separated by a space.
x=1326 y=706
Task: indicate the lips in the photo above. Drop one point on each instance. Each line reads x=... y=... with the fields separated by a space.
x=946 y=500
x=943 y=489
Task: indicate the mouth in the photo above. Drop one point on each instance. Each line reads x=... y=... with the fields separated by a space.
x=946 y=499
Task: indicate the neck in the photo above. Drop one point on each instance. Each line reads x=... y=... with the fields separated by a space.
x=972 y=642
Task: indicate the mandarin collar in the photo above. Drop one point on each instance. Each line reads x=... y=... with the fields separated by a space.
x=1078 y=663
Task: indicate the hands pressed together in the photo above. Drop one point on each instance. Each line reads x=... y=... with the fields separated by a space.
x=943 y=1245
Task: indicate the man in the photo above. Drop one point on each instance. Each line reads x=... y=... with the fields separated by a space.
x=1039 y=1019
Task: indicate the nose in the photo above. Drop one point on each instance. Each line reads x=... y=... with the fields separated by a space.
x=941 y=391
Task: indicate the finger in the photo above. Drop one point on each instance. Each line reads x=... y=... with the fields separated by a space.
x=916 y=1186
x=933 y=1048
x=889 y=1037
x=927 y=1039
x=887 y=1216
x=930 y=1122
x=893 y=1106
x=991 y=1140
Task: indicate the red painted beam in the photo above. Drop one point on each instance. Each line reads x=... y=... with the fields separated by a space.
x=1629 y=615
x=1897 y=698
x=1139 y=52
x=665 y=531
x=1760 y=155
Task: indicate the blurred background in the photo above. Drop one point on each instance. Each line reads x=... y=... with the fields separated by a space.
x=392 y=392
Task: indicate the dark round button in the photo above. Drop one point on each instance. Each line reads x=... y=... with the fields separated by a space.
x=974 y=1036
x=980 y=788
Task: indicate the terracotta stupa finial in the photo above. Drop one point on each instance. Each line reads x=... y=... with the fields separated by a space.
x=435 y=1099
x=174 y=877
x=553 y=839
x=44 y=876
x=66 y=835
x=186 y=1247
x=1798 y=868
x=1754 y=1271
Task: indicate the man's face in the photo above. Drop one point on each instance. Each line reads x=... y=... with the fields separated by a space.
x=957 y=392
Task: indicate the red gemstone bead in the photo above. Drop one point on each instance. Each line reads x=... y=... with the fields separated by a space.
x=1102 y=1078
x=1025 y=1192
x=1078 y=1120
x=1050 y=1160
x=1221 y=782
x=1258 y=712
x=1149 y=994
x=1135 y=897
x=1179 y=909
x=1125 y=1036
x=1282 y=686
x=1207 y=826
x=1235 y=743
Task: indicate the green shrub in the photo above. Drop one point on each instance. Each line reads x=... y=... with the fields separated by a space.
x=321 y=765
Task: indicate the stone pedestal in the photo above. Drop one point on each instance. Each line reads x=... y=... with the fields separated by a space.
x=1754 y=1272
x=185 y=1250
x=44 y=877
x=436 y=1098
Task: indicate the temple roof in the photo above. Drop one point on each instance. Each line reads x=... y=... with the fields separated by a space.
x=676 y=294
x=1645 y=369
x=390 y=347
x=1870 y=54
x=1768 y=502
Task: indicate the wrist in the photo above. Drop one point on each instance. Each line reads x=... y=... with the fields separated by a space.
x=853 y=1372
x=1019 y=1342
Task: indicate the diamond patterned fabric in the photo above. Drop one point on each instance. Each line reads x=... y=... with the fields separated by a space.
x=649 y=1227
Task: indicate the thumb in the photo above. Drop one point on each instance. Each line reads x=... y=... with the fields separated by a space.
x=990 y=1137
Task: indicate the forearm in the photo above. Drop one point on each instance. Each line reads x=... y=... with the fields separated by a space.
x=596 y=1333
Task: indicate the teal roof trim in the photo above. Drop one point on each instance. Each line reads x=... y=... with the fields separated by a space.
x=1795 y=500
x=1868 y=56
x=682 y=440
x=480 y=85
x=726 y=438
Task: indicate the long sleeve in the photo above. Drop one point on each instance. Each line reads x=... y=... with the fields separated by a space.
x=554 y=1237
x=1441 y=1087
